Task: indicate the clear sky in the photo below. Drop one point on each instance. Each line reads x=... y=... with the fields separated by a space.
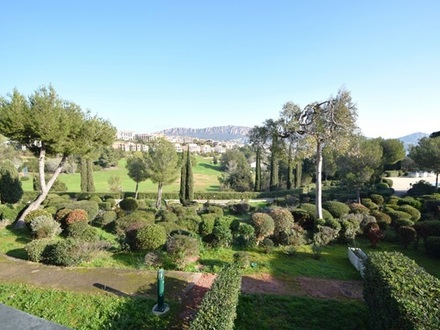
x=151 y=65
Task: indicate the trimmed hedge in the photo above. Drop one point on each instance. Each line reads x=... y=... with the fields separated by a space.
x=219 y=306
x=400 y=294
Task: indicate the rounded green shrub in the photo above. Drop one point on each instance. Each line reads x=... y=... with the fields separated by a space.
x=383 y=219
x=70 y=252
x=182 y=250
x=367 y=202
x=207 y=224
x=128 y=204
x=408 y=200
x=36 y=213
x=96 y=199
x=191 y=224
x=166 y=215
x=217 y=210
x=105 y=218
x=427 y=228
x=377 y=199
x=8 y=213
x=35 y=249
x=412 y=211
x=283 y=221
x=111 y=200
x=336 y=209
x=105 y=206
x=83 y=231
x=407 y=235
x=267 y=245
x=264 y=225
x=45 y=227
x=222 y=236
x=151 y=237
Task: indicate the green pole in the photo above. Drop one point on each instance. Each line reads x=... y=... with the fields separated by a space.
x=160 y=290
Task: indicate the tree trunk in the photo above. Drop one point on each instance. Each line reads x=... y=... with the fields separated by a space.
x=358 y=195
x=289 y=169
x=136 y=190
x=258 y=171
x=159 y=194
x=436 y=180
x=319 y=180
x=45 y=188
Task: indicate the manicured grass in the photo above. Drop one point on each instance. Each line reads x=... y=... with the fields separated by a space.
x=282 y=312
x=86 y=311
x=205 y=179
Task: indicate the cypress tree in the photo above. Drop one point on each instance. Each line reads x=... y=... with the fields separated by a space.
x=182 y=191
x=258 y=170
x=189 y=193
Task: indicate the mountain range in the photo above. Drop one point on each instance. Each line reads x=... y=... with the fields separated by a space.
x=239 y=134
x=218 y=133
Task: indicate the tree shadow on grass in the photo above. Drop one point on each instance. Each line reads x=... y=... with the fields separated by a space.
x=18 y=254
x=210 y=166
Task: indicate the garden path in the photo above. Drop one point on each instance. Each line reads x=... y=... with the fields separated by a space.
x=189 y=288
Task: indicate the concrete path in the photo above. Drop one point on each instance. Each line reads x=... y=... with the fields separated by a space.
x=13 y=319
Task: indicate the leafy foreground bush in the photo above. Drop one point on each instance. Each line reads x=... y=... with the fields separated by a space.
x=400 y=294
x=218 y=308
x=97 y=311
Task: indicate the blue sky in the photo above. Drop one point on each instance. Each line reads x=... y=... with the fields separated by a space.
x=151 y=65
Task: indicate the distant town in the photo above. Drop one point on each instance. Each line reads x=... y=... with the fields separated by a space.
x=131 y=141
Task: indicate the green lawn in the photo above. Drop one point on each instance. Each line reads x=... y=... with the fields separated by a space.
x=205 y=179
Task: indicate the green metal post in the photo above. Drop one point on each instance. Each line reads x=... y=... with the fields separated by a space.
x=160 y=290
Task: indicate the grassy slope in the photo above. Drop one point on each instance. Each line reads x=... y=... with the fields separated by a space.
x=205 y=179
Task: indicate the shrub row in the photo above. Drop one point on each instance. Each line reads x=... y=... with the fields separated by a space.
x=400 y=294
x=219 y=306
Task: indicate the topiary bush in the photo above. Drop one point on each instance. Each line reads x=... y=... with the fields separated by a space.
x=357 y=208
x=217 y=210
x=283 y=221
x=60 y=215
x=191 y=224
x=218 y=309
x=267 y=245
x=35 y=249
x=182 y=250
x=151 y=237
x=83 y=231
x=245 y=236
x=382 y=219
x=128 y=204
x=222 y=236
x=106 y=218
x=91 y=207
x=427 y=228
x=105 y=206
x=303 y=218
x=407 y=235
x=95 y=198
x=7 y=212
x=45 y=227
x=239 y=208
x=264 y=225
x=367 y=202
x=408 y=200
x=71 y=252
x=207 y=224
x=77 y=215
x=421 y=188
x=36 y=213
x=336 y=209
x=399 y=293
x=377 y=199
x=166 y=215
x=412 y=211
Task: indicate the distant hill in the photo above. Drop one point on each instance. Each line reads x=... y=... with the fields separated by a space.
x=219 y=133
x=412 y=139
